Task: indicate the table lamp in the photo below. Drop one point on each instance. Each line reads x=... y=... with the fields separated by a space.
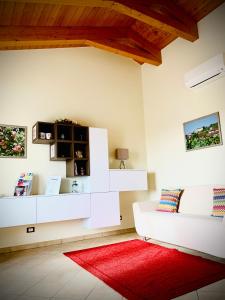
x=122 y=155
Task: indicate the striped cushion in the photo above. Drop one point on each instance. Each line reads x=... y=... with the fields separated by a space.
x=169 y=200
x=218 y=202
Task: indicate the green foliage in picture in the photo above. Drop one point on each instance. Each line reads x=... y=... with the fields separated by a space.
x=12 y=141
x=203 y=132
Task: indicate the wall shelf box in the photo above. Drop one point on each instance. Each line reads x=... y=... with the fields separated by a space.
x=40 y=128
x=69 y=142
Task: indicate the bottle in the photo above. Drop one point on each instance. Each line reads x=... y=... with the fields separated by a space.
x=75 y=187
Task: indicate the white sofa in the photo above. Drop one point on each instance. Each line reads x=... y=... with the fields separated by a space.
x=192 y=227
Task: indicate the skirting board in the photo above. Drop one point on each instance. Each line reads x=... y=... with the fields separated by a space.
x=67 y=240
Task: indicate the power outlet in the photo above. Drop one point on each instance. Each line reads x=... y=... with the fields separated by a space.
x=30 y=229
x=121 y=218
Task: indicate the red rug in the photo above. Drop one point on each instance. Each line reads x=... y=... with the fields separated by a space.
x=140 y=270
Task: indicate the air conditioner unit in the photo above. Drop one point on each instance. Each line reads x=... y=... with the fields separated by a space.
x=210 y=70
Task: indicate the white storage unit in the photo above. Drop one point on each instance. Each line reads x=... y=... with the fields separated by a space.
x=99 y=161
x=105 y=210
x=16 y=211
x=63 y=207
x=128 y=180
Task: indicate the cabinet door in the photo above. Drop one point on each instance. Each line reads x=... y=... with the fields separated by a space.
x=99 y=161
x=128 y=180
x=63 y=207
x=16 y=211
x=105 y=210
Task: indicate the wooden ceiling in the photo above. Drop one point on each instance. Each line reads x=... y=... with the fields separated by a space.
x=138 y=29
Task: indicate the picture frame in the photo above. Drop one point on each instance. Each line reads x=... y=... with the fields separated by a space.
x=13 y=141
x=203 y=132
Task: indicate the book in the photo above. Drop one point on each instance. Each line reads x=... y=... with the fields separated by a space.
x=24 y=185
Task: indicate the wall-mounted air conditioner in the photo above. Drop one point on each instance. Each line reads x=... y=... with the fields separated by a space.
x=210 y=70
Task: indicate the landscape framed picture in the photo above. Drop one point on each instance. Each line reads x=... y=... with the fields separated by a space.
x=13 y=141
x=203 y=132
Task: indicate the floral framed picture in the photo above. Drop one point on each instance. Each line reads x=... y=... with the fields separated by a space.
x=203 y=132
x=13 y=141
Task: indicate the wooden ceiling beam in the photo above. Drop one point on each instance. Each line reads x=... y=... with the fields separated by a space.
x=115 y=47
x=26 y=33
x=145 y=44
x=161 y=14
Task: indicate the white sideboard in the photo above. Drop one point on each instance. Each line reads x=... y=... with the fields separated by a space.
x=105 y=210
x=127 y=180
x=63 y=207
x=16 y=211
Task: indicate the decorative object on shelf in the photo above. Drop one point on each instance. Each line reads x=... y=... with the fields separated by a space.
x=75 y=187
x=203 y=132
x=62 y=136
x=122 y=154
x=24 y=185
x=48 y=135
x=53 y=185
x=79 y=154
x=42 y=135
x=13 y=141
x=66 y=121
x=75 y=169
x=82 y=171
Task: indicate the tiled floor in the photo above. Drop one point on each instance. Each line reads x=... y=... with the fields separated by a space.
x=44 y=273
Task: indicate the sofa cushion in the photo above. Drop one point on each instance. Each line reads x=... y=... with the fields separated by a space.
x=169 y=200
x=218 y=202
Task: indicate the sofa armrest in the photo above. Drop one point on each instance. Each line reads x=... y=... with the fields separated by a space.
x=143 y=206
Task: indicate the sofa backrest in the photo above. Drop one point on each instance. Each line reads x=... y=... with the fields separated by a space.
x=198 y=200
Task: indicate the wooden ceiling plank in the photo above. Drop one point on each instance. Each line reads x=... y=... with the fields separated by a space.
x=12 y=45
x=25 y=33
x=145 y=44
x=6 y=13
x=124 y=50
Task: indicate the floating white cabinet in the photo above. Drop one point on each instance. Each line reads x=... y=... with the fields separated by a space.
x=127 y=180
x=105 y=210
x=63 y=207
x=99 y=161
x=16 y=211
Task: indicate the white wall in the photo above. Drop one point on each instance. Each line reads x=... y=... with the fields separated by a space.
x=168 y=104
x=87 y=85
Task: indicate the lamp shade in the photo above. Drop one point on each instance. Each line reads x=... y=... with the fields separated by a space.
x=122 y=154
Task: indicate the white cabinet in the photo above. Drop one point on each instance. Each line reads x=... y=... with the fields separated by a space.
x=16 y=211
x=99 y=161
x=127 y=180
x=63 y=207
x=105 y=210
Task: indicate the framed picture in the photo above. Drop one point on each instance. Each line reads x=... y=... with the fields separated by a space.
x=13 y=141
x=203 y=132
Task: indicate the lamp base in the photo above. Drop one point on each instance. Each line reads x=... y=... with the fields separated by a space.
x=122 y=165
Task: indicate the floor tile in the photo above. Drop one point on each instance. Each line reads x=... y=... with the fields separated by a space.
x=211 y=295
x=218 y=286
x=7 y=296
x=104 y=292
x=79 y=287
x=189 y=296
